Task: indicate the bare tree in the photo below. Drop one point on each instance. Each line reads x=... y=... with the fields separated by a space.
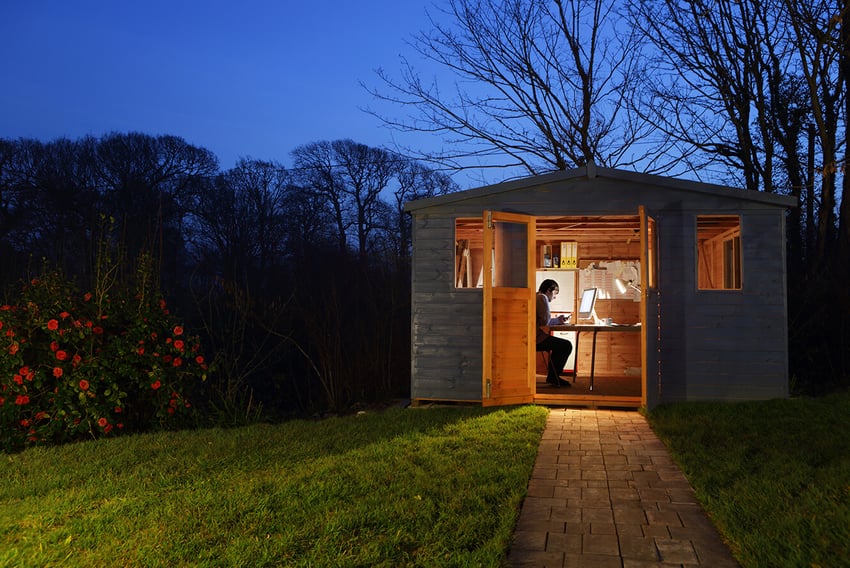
x=714 y=75
x=239 y=225
x=366 y=172
x=415 y=181
x=146 y=183
x=49 y=201
x=754 y=87
x=315 y=168
x=821 y=41
x=541 y=85
x=351 y=178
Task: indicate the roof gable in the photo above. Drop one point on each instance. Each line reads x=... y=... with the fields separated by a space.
x=591 y=171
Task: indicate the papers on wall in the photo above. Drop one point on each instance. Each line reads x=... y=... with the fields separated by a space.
x=602 y=274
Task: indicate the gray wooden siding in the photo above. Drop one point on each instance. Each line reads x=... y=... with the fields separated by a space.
x=446 y=322
x=726 y=344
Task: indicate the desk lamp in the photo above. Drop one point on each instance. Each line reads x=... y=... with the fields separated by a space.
x=624 y=285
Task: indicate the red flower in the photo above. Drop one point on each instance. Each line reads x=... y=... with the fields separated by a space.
x=140 y=350
x=18 y=379
x=177 y=361
x=155 y=385
x=199 y=359
x=87 y=296
x=22 y=399
x=97 y=330
x=84 y=385
x=53 y=325
x=61 y=355
x=162 y=304
x=54 y=345
x=64 y=315
x=76 y=360
x=13 y=349
x=118 y=410
x=41 y=415
x=102 y=422
x=178 y=345
x=57 y=372
x=178 y=330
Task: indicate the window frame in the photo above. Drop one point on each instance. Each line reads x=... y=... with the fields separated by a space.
x=719 y=252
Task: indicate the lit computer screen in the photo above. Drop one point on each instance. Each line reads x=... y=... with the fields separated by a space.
x=587 y=303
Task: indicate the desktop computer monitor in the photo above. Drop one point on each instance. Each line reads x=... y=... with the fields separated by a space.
x=587 y=304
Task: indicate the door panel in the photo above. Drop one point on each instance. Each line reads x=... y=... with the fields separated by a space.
x=508 y=311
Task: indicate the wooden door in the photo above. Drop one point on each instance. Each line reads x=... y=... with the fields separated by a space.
x=649 y=311
x=508 y=311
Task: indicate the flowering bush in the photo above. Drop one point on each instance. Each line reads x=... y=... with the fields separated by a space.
x=77 y=365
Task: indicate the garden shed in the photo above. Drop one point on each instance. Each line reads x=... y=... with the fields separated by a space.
x=676 y=290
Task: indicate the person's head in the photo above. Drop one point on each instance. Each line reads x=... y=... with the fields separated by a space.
x=550 y=288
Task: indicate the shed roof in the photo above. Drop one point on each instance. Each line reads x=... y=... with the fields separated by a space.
x=592 y=171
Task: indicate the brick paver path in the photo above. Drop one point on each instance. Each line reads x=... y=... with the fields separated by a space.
x=604 y=492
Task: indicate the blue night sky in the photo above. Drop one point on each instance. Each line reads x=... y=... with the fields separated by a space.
x=253 y=78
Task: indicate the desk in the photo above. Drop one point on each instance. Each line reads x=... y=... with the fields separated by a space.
x=579 y=329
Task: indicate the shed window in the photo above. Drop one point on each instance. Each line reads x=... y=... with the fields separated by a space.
x=719 y=252
x=469 y=253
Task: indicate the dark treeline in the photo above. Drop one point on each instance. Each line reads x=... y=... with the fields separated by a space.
x=296 y=279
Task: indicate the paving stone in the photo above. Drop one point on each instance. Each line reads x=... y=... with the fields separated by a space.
x=605 y=544
x=638 y=548
x=678 y=551
x=564 y=542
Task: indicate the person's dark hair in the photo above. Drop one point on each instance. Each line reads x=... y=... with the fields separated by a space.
x=547 y=286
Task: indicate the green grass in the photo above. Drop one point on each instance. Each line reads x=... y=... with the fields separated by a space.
x=414 y=487
x=774 y=476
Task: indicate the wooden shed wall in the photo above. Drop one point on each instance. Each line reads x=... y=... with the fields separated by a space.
x=446 y=322
x=719 y=345
x=724 y=344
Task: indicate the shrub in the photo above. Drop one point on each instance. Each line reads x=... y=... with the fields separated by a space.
x=83 y=365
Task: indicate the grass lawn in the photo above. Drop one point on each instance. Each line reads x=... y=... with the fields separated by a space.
x=402 y=487
x=774 y=476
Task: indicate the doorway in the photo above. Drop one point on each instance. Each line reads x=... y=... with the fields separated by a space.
x=506 y=255
x=606 y=366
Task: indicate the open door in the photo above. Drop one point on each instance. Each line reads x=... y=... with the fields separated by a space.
x=649 y=312
x=508 y=311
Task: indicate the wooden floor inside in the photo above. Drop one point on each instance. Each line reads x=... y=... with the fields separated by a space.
x=616 y=391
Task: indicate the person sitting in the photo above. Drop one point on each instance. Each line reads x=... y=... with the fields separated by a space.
x=558 y=348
